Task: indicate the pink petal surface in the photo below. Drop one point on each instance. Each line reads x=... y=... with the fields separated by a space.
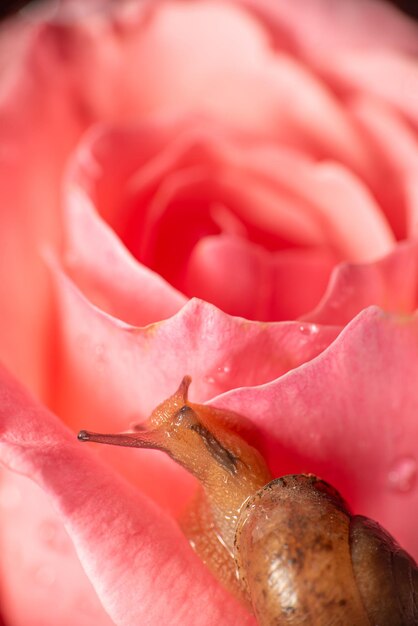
x=338 y=198
x=263 y=92
x=130 y=290
x=29 y=199
x=177 y=183
x=327 y=25
x=41 y=68
x=158 y=154
x=196 y=179
x=350 y=416
x=397 y=148
x=109 y=158
x=371 y=41
x=390 y=283
x=137 y=559
x=242 y=278
x=37 y=555
x=383 y=74
x=120 y=362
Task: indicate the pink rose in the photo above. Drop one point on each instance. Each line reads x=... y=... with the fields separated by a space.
x=178 y=181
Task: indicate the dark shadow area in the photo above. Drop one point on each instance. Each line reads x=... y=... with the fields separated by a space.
x=408 y=6
x=8 y=7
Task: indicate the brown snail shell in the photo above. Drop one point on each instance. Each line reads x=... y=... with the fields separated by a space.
x=305 y=560
x=301 y=557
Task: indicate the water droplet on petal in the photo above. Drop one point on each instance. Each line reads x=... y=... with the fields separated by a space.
x=309 y=329
x=218 y=375
x=402 y=475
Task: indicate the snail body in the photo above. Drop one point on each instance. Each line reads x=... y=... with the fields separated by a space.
x=287 y=547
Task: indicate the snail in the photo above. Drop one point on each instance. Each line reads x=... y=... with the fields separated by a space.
x=287 y=547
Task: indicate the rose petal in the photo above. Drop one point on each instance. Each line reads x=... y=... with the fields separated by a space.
x=296 y=198
x=120 y=362
x=350 y=416
x=350 y=218
x=150 y=575
x=29 y=200
x=91 y=340
x=203 y=166
x=244 y=279
x=390 y=283
x=107 y=273
x=262 y=92
x=384 y=74
x=109 y=158
x=38 y=556
x=397 y=149
x=316 y=27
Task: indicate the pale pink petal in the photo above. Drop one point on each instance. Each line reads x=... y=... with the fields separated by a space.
x=390 y=283
x=133 y=369
x=397 y=151
x=242 y=278
x=140 y=61
x=351 y=220
x=314 y=28
x=43 y=110
x=31 y=163
x=300 y=102
x=38 y=556
x=108 y=274
x=350 y=416
x=263 y=92
x=166 y=205
x=111 y=159
x=136 y=557
x=373 y=45
x=384 y=74
x=203 y=169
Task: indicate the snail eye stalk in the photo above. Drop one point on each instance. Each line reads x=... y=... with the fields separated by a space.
x=144 y=440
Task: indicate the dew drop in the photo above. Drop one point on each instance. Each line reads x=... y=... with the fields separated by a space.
x=402 y=475
x=309 y=329
x=218 y=375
